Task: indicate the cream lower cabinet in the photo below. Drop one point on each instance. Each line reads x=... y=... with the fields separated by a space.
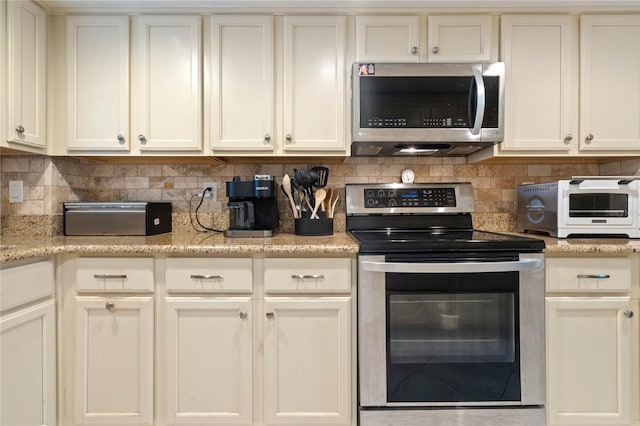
x=114 y=361
x=590 y=324
x=27 y=345
x=208 y=341
x=307 y=361
x=208 y=360
x=108 y=317
x=308 y=342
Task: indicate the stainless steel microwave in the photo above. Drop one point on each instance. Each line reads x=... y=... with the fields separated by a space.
x=426 y=109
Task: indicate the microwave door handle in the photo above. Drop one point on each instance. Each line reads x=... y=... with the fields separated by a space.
x=451 y=267
x=480 y=101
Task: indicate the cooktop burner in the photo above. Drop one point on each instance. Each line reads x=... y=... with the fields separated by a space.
x=410 y=218
x=381 y=241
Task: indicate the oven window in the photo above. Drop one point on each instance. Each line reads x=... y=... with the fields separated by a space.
x=452 y=337
x=598 y=205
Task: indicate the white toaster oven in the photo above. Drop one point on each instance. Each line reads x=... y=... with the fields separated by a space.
x=580 y=207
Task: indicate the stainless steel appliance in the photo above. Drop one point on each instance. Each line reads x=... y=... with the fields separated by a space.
x=450 y=319
x=253 y=207
x=116 y=218
x=582 y=206
x=426 y=109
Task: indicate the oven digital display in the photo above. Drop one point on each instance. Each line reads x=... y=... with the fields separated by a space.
x=409 y=197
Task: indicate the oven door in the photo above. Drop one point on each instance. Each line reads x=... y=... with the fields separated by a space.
x=603 y=204
x=451 y=332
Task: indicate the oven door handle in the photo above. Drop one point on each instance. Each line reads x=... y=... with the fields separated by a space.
x=451 y=267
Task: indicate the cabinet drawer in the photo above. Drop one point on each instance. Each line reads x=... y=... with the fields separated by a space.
x=206 y=275
x=114 y=274
x=589 y=274
x=297 y=275
x=25 y=283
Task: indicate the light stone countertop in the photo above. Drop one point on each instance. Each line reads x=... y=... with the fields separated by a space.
x=191 y=243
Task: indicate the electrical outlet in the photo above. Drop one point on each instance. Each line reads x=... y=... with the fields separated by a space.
x=16 y=194
x=214 y=190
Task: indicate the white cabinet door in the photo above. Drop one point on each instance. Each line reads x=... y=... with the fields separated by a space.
x=26 y=74
x=28 y=366
x=462 y=38
x=242 y=85
x=114 y=361
x=167 y=83
x=541 y=68
x=588 y=361
x=208 y=361
x=610 y=83
x=387 y=38
x=98 y=83
x=307 y=353
x=314 y=85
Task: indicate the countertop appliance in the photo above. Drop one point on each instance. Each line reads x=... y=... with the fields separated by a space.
x=116 y=218
x=589 y=206
x=450 y=319
x=426 y=109
x=253 y=207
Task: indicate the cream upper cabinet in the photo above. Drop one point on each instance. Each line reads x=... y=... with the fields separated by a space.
x=98 y=83
x=610 y=84
x=241 y=79
x=388 y=38
x=26 y=76
x=541 y=64
x=462 y=38
x=314 y=85
x=167 y=84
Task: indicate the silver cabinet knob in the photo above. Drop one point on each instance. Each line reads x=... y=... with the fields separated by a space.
x=568 y=138
x=270 y=315
x=589 y=138
x=110 y=306
x=267 y=139
x=435 y=50
x=20 y=129
x=243 y=315
x=414 y=50
x=142 y=138
x=289 y=138
x=628 y=314
x=120 y=138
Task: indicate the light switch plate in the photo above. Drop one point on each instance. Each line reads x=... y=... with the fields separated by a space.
x=16 y=192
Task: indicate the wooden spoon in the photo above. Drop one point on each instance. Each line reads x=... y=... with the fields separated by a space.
x=321 y=194
x=286 y=185
x=329 y=198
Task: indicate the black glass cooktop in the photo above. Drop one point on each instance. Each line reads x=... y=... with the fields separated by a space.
x=439 y=240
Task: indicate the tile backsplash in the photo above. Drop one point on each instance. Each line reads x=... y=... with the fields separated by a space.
x=49 y=181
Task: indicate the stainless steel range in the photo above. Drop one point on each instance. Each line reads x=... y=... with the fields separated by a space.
x=450 y=319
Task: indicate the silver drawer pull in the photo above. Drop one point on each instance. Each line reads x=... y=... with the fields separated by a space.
x=597 y=276
x=243 y=315
x=110 y=277
x=205 y=277
x=110 y=306
x=270 y=315
x=308 y=277
x=628 y=314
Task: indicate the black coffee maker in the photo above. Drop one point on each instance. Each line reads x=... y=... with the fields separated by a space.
x=253 y=207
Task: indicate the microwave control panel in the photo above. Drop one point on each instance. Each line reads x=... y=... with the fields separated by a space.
x=384 y=122
x=409 y=197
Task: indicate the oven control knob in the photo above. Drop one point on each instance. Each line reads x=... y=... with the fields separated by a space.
x=371 y=203
x=392 y=203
